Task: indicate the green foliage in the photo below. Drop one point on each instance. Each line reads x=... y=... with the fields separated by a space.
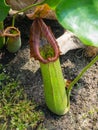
x=16 y=111
x=80 y=17
x=4 y=9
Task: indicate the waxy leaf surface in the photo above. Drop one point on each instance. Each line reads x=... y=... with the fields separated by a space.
x=80 y=17
x=4 y=9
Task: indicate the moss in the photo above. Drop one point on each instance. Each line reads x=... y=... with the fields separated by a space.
x=16 y=110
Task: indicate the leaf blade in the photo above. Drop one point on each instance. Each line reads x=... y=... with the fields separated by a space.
x=81 y=18
x=4 y=8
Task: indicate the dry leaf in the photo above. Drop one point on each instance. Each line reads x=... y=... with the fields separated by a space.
x=68 y=82
x=91 y=51
x=42 y=11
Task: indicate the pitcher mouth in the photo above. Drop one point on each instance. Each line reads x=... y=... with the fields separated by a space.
x=39 y=30
x=11 y=32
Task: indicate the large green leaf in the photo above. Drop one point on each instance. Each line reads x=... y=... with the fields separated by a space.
x=81 y=18
x=4 y=9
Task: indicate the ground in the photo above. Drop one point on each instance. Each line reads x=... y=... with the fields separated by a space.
x=83 y=114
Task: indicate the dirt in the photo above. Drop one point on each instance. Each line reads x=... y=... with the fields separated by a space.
x=83 y=114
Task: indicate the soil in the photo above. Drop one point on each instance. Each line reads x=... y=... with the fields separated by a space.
x=83 y=114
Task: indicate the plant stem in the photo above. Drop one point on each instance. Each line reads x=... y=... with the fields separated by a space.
x=81 y=74
x=25 y=9
x=2 y=39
